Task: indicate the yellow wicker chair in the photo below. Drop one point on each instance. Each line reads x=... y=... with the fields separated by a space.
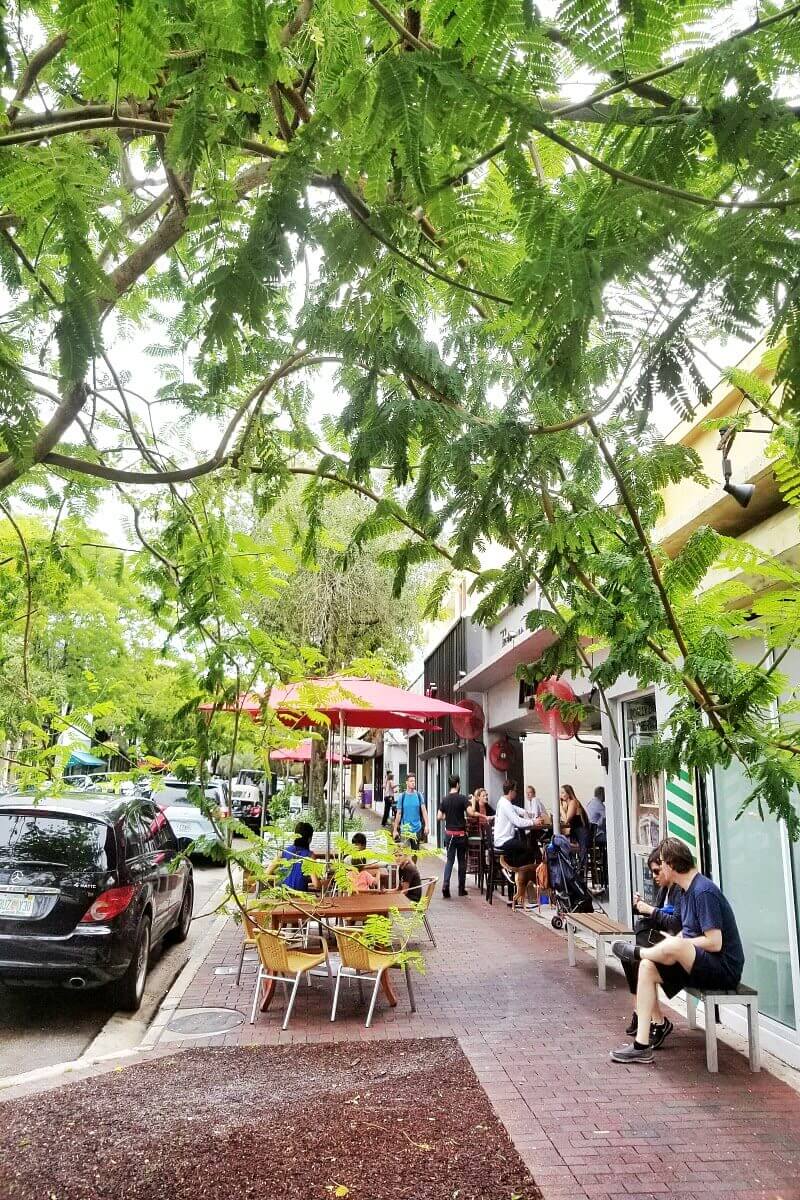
x=284 y=964
x=359 y=962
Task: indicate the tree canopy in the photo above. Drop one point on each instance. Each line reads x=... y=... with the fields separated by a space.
x=498 y=232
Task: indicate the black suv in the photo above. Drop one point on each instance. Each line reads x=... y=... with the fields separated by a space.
x=86 y=890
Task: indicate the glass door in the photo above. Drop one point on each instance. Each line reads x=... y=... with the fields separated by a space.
x=645 y=793
x=753 y=877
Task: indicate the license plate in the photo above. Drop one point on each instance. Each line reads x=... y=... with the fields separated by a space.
x=184 y=830
x=17 y=905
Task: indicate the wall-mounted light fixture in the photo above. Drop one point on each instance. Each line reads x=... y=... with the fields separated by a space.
x=742 y=493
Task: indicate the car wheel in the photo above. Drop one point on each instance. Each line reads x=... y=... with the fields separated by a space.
x=129 y=990
x=181 y=931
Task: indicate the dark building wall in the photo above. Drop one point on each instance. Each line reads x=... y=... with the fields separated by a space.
x=457 y=653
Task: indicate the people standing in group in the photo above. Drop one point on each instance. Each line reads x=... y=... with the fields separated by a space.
x=389 y=794
x=454 y=808
x=706 y=954
x=575 y=823
x=411 y=817
x=652 y=923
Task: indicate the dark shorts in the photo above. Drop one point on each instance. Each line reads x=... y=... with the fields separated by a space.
x=708 y=973
x=517 y=853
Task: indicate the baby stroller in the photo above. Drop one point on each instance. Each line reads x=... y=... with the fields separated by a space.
x=570 y=892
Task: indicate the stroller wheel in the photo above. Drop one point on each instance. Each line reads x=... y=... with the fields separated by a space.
x=556 y=922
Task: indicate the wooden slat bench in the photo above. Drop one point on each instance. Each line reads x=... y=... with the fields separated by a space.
x=602 y=929
x=744 y=995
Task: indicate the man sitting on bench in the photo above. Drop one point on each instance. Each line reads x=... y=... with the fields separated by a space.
x=706 y=954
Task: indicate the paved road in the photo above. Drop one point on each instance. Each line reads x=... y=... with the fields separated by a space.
x=40 y=1028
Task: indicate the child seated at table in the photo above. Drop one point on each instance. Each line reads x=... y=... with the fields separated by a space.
x=362 y=878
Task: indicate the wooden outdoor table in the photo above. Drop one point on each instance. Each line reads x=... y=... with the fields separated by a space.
x=357 y=906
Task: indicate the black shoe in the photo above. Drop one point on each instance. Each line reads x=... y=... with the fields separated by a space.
x=446 y=893
x=660 y=1033
x=463 y=892
x=633 y=1054
x=624 y=951
x=632 y=1026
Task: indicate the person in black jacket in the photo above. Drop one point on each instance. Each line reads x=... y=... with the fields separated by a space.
x=654 y=921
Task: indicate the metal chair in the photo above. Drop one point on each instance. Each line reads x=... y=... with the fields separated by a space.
x=427 y=896
x=359 y=962
x=279 y=962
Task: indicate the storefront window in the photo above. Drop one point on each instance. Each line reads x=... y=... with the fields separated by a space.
x=752 y=878
x=645 y=794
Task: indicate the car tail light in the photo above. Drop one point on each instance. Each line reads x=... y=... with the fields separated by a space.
x=109 y=904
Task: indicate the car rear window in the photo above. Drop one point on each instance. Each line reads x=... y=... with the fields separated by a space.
x=67 y=841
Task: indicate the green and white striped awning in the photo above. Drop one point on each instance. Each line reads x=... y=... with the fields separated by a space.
x=682 y=809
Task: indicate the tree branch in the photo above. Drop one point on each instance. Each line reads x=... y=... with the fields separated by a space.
x=36 y=65
x=29 y=589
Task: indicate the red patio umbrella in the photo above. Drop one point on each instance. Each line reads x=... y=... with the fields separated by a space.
x=365 y=702
x=302 y=754
x=248 y=704
x=360 y=702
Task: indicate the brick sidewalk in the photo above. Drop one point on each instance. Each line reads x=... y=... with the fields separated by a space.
x=538 y=1034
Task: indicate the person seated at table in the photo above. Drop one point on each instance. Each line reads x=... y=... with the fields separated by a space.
x=362 y=878
x=652 y=922
x=409 y=878
x=359 y=843
x=480 y=802
x=575 y=823
x=513 y=850
x=706 y=954
x=536 y=808
x=293 y=876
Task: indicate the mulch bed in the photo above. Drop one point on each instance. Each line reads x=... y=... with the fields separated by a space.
x=380 y=1121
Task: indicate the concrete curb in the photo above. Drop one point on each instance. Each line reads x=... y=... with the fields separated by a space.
x=171 y=1001
x=91 y=1057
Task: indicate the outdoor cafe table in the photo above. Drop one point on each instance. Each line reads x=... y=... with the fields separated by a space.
x=357 y=907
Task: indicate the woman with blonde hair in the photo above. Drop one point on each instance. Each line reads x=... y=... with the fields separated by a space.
x=480 y=801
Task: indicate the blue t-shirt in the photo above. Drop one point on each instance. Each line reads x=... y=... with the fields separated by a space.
x=296 y=877
x=409 y=806
x=704 y=907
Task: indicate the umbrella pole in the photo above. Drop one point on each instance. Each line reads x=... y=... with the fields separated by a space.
x=329 y=805
x=342 y=729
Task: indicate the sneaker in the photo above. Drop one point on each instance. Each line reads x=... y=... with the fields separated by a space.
x=632 y=1026
x=509 y=875
x=660 y=1033
x=624 y=951
x=445 y=893
x=633 y=1054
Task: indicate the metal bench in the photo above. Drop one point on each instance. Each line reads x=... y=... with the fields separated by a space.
x=602 y=929
x=744 y=995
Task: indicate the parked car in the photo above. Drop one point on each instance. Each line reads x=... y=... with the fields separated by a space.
x=247 y=805
x=86 y=890
x=187 y=820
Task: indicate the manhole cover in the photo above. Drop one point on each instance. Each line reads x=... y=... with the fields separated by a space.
x=200 y=1022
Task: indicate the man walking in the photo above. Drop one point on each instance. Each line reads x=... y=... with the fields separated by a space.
x=453 y=810
x=411 y=818
x=388 y=798
x=707 y=953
